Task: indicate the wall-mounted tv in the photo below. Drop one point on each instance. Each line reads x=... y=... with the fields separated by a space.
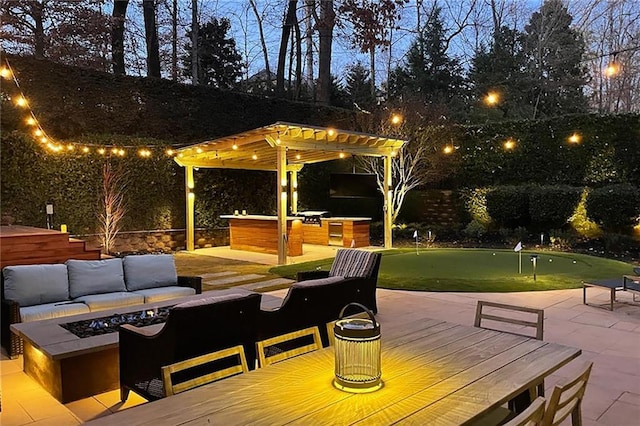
x=353 y=185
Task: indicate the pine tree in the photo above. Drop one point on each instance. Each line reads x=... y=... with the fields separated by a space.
x=219 y=63
x=358 y=87
x=554 y=52
x=500 y=69
x=429 y=73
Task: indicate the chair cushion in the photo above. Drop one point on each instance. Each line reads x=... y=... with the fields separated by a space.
x=317 y=283
x=52 y=310
x=149 y=271
x=99 y=302
x=95 y=277
x=36 y=284
x=159 y=294
x=353 y=263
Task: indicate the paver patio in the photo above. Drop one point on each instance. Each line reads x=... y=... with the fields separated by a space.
x=610 y=339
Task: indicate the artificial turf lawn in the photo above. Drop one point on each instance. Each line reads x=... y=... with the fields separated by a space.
x=480 y=270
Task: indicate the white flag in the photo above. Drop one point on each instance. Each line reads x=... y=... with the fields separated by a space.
x=415 y=234
x=518 y=246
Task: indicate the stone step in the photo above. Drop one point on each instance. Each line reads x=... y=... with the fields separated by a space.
x=268 y=283
x=225 y=281
x=217 y=274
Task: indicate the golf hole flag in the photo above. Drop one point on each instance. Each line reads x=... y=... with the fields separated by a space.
x=415 y=234
x=518 y=249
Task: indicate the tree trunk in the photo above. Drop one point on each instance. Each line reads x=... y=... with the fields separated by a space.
x=117 y=36
x=309 y=6
x=194 y=42
x=263 y=42
x=325 y=33
x=372 y=58
x=151 y=35
x=284 y=40
x=298 y=41
x=174 y=41
x=36 y=14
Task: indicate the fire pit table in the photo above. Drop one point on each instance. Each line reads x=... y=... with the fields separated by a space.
x=75 y=357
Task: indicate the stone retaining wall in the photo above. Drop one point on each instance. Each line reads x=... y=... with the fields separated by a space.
x=161 y=240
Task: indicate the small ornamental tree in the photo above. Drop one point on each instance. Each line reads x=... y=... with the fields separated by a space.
x=112 y=207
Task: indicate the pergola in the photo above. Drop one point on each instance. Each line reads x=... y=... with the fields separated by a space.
x=285 y=148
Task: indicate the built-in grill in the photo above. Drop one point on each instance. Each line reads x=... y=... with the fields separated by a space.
x=313 y=217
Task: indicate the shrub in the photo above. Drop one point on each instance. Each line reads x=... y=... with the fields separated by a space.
x=508 y=206
x=552 y=206
x=474 y=229
x=614 y=207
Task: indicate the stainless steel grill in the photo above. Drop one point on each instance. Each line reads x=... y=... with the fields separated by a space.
x=313 y=217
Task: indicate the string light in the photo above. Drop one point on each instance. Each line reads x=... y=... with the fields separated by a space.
x=448 y=149
x=492 y=98
x=341 y=155
x=41 y=136
x=575 y=138
x=396 y=119
x=254 y=156
x=509 y=144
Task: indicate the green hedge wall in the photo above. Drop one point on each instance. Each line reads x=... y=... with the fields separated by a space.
x=615 y=207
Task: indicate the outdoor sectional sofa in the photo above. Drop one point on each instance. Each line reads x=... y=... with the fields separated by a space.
x=38 y=292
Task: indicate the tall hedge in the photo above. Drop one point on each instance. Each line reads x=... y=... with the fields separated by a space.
x=615 y=207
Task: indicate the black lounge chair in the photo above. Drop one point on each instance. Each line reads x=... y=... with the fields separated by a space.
x=319 y=296
x=192 y=329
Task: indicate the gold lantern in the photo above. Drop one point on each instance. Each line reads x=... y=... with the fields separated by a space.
x=357 y=352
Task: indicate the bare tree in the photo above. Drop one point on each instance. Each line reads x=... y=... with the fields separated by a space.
x=290 y=22
x=194 y=42
x=309 y=9
x=263 y=42
x=117 y=36
x=151 y=36
x=325 y=33
x=112 y=207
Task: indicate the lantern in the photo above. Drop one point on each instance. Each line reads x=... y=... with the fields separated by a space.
x=357 y=352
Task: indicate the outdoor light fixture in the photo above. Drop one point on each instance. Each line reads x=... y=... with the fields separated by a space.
x=575 y=138
x=396 y=119
x=509 y=144
x=5 y=73
x=448 y=149
x=613 y=68
x=492 y=98
x=357 y=353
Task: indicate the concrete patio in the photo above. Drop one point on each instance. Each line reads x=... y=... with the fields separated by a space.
x=610 y=339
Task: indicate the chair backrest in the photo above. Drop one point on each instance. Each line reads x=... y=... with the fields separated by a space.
x=237 y=353
x=355 y=263
x=532 y=416
x=515 y=316
x=567 y=399
x=288 y=345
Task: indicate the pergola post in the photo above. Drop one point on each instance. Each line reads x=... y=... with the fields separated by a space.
x=294 y=192
x=190 y=199
x=388 y=196
x=281 y=164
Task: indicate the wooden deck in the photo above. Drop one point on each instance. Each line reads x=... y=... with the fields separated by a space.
x=26 y=245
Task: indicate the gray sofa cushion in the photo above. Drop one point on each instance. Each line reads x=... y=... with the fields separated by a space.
x=51 y=310
x=95 y=277
x=99 y=302
x=159 y=294
x=36 y=284
x=353 y=263
x=149 y=271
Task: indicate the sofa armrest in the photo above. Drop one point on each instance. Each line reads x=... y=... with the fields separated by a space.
x=10 y=314
x=311 y=275
x=193 y=282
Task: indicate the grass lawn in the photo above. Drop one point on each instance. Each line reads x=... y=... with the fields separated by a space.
x=480 y=270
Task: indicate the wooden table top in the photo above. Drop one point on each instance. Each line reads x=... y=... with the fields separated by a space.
x=434 y=372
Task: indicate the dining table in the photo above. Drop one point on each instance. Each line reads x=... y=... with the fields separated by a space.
x=433 y=372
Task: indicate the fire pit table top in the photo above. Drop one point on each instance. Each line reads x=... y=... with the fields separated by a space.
x=57 y=342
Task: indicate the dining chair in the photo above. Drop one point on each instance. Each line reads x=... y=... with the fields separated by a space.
x=508 y=314
x=567 y=399
x=532 y=416
x=279 y=348
x=235 y=353
x=512 y=314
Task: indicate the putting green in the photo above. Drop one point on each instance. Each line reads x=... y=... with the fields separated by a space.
x=482 y=270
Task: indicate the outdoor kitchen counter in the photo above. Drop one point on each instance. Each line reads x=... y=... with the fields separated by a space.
x=338 y=231
x=259 y=233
